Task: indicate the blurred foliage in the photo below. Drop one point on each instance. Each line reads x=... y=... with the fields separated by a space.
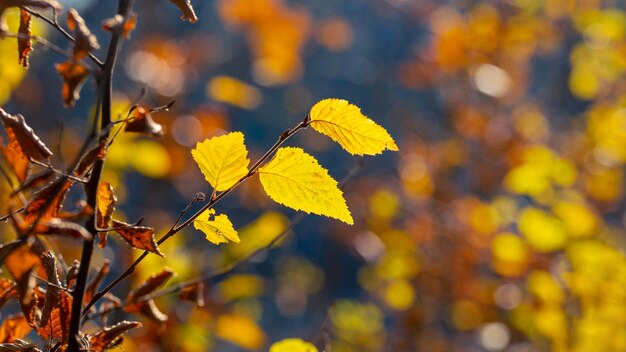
x=499 y=227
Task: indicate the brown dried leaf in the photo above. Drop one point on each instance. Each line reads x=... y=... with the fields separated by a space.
x=95 y=283
x=7 y=248
x=42 y=4
x=29 y=142
x=85 y=42
x=188 y=12
x=18 y=346
x=72 y=274
x=24 y=45
x=110 y=336
x=149 y=285
x=74 y=76
x=47 y=202
x=8 y=290
x=14 y=327
x=96 y=153
x=149 y=309
x=56 y=324
x=140 y=237
x=194 y=293
x=54 y=226
x=21 y=261
x=106 y=201
x=35 y=181
x=16 y=158
x=117 y=23
x=142 y=122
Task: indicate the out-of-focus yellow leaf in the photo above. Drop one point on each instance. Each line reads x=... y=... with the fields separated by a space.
x=292 y=345
x=345 y=124
x=149 y=158
x=544 y=286
x=241 y=286
x=399 y=295
x=223 y=160
x=232 y=91
x=258 y=234
x=240 y=330
x=219 y=230
x=544 y=232
x=295 y=179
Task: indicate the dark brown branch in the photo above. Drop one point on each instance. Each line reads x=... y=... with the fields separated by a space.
x=106 y=89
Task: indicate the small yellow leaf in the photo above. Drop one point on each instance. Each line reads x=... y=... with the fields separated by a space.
x=295 y=179
x=219 y=230
x=223 y=160
x=292 y=345
x=345 y=124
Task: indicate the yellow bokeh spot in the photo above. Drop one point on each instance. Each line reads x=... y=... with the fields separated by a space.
x=241 y=286
x=232 y=91
x=578 y=219
x=583 y=83
x=383 y=204
x=466 y=315
x=545 y=233
x=292 y=345
x=240 y=330
x=399 y=295
x=545 y=288
x=150 y=158
x=509 y=247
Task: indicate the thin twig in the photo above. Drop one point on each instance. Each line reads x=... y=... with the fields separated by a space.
x=55 y=24
x=51 y=168
x=175 y=229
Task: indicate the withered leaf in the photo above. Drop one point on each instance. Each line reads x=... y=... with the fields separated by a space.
x=106 y=201
x=149 y=285
x=31 y=144
x=24 y=45
x=142 y=122
x=188 y=12
x=18 y=346
x=46 y=202
x=21 y=261
x=8 y=290
x=117 y=24
x=193 y=293
x=54 y=226
x=95 y=283
x=74 y=76
x=72 y=273
x=140 y=237
x=41 y=4
x=13 y=327
x=35 y=181
x=57 y=323
x=110 y=335
x=96 y=153
x=16 y=159
x=148 y=309
x=8 y=247
x=85 y=42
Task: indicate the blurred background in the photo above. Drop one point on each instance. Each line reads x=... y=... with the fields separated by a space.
x=499 y=226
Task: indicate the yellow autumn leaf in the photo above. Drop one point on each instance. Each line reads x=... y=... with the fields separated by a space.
x=217 y=230
x=345 y=124
x=295 y=179
x=223 y=160
x=292 y=345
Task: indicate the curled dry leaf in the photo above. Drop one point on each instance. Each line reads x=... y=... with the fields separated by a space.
x=117 y=24
x=24 y=45
x=74 y=76
x=149 y=285
x=54 y=226
x=13 y=327
x=57 y=322
x=72 y=273
x=193 y=293
x=35 y=181
x=40 y=4
x=106 y=201
x=8 y=290
x=95 y=283
x=188 y=13
x=148 y=309
x=86 y=161
x=110 y=336
x=142 y=122
x=85 y=42
x=47 y=202
x=31 y=144
x=18 y=346
x=140 y=237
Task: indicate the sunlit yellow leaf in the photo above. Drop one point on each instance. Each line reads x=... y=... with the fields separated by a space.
x=218 y=230
x=345 y=124
x=223 y=160
x=292 y=345
x=295 y=179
